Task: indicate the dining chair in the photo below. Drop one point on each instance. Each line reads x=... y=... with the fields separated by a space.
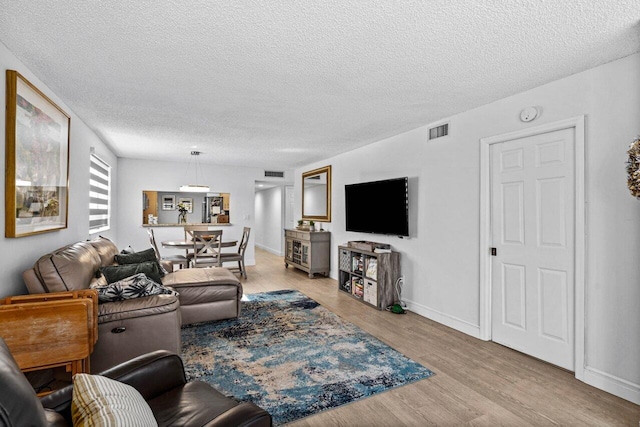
x=206 y=248
x=238 y=256
x=188 y=236
x=180 y=260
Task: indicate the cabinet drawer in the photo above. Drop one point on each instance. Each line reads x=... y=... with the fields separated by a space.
x=300 y=235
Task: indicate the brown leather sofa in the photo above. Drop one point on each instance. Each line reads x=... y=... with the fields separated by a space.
x=136 y=326
x=158 y=376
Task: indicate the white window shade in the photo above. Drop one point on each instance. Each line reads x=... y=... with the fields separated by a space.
x=99 y=195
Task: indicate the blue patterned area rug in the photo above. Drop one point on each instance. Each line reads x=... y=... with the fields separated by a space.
x=292 y=357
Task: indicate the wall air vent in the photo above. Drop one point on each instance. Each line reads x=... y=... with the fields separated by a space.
x=439 y=131
x=274 y=174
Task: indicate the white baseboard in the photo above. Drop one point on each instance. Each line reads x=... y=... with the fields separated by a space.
x=612 y=384
x=273 y=251
x=446 y=319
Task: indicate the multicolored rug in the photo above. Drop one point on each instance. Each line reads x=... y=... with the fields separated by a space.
x=293 y=357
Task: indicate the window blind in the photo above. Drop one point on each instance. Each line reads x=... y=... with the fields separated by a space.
x=99 y=194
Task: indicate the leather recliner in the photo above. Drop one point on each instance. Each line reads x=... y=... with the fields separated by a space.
x=137 y=326
x=158 y=376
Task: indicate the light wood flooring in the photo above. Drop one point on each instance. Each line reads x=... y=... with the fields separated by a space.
x=476 y=383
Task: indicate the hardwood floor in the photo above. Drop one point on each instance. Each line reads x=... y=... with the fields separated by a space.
x=476 y=383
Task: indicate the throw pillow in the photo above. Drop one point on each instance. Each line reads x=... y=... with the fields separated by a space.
x=135 y=286
x=127 y=250
x=137 y=257
x=113 y=273
x=99 y=401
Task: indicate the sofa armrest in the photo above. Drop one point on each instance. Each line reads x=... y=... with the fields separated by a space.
x=151 y=374
x=243 y=415
x=34 y=286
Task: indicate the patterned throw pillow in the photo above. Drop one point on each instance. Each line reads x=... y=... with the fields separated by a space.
x=113 y=273
x=127 y=250
x=135 y=286
x=102 y=402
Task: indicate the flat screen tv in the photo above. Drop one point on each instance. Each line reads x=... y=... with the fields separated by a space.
x=379 y=207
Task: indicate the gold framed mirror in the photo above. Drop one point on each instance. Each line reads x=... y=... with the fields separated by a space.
x=316 y=194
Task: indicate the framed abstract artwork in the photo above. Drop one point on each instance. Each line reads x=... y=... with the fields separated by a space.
x=37 y=161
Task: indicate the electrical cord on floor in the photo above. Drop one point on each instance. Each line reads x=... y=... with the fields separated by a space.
x=399 y=306
x=398 y=286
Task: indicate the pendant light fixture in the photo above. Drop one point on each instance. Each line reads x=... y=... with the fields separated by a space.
x=194 y=188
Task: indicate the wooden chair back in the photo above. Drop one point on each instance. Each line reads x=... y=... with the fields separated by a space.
x=206 y=247
x=152 y=240
x=244 y=241
x=189 y=229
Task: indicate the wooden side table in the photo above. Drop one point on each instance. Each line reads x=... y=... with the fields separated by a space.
x=51 y=330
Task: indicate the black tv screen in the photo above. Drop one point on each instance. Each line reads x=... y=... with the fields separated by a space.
x=380 y=207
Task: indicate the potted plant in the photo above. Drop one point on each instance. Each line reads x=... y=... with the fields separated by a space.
x=312 y=225
x=182 y=213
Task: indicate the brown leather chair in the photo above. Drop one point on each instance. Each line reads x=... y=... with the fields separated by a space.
x=158 y=376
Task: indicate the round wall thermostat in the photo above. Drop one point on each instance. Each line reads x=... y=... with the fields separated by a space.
x=528 y=114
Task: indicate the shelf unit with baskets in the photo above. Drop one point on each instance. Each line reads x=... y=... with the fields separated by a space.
x=368 y=276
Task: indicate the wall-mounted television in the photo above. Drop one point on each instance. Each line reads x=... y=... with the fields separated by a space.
x=379 y=207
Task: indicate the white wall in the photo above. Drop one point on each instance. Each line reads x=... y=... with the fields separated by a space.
x=19 y=254
x=138 y=175
x=440 y=261
x=269 y=219
x=315 y=200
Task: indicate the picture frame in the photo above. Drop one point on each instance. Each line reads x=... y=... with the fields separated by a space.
x=168 y=202
x=36 y=160
x=188 y=202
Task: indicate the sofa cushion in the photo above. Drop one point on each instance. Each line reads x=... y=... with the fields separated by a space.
x=192 y=404
x=102 y=402
x=136 y=286
x=105 y=248
x=138 y=307
x=114 y=273
x=69 y=268
x=200 y=277
x=204 y=285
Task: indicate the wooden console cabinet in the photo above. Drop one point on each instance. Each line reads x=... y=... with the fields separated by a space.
x=369 y=276
x=309 y=251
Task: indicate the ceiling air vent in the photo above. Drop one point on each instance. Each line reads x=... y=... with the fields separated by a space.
x=274 y=174
x=439 y=131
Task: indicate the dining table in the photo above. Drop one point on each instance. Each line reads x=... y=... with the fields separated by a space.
x=188 y=244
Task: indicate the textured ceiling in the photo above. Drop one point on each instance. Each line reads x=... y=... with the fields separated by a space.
x=278 y=83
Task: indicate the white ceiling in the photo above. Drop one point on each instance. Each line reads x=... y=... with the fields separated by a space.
x=278 y=83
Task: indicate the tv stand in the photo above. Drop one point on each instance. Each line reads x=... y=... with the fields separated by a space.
x=367 y=275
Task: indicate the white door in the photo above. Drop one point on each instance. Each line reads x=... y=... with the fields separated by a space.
x=533 y=232
x=289 y=207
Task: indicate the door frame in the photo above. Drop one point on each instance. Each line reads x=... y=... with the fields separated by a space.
x=578 y=124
